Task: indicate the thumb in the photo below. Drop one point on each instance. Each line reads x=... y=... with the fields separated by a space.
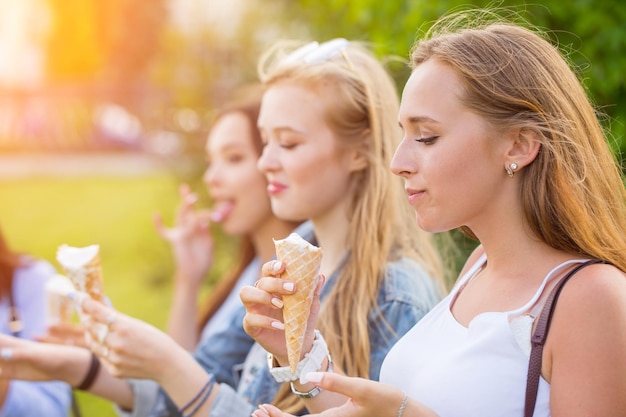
x=330 y=381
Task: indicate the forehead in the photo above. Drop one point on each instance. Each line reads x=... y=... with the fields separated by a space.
x=432 y=89
x=231 y=129
x=288 y=102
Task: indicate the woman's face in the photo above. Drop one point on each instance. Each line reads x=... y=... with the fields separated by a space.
x=235 y=184
x=452 y=162
x=308 y=175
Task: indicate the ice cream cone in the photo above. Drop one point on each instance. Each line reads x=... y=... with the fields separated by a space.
x=303 y=264
x=59 y=308
x=82 y=267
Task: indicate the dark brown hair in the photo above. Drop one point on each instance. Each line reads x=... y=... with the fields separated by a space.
x=247 y=103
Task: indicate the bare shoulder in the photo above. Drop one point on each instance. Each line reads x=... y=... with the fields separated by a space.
x=598 y=286
x=590 y=312
x=586 y=343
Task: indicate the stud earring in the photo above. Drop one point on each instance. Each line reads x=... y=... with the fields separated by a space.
x=510 y=170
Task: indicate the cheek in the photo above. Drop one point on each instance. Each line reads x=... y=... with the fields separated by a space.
x=253 y=205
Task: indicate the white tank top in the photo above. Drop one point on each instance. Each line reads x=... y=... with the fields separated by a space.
x=474 y=371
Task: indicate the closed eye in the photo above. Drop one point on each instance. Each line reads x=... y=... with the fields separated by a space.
x=428 y=140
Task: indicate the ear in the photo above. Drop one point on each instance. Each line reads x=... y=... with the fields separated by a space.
x=356 y=157
x=357 y=160
x=524 y=147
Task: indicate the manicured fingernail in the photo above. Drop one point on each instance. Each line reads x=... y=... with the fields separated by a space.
x=276 y=267
x=278 y=325
x=277 y=302
x=314 y=376
x=288 y=286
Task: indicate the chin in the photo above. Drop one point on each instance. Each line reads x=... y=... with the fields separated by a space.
x=285 y=212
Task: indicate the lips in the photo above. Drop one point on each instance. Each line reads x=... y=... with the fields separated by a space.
x=221 y=210
x=275 y=188
x=414 y=195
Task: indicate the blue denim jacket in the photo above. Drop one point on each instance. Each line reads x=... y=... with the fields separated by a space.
x=406 y=295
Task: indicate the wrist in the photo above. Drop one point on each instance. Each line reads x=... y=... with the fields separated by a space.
x=314 y=391
x=312 y=362
x=188 y=280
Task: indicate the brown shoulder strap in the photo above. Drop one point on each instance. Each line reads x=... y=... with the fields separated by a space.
x=539 y=338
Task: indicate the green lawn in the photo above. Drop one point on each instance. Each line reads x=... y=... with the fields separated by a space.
x=39 y=214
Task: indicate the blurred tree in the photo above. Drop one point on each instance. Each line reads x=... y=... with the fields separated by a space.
x=130 y=34
x=591 y=32
x=110 y=42
x=72 y=48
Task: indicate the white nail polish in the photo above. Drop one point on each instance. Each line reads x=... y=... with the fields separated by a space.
x=278 y=325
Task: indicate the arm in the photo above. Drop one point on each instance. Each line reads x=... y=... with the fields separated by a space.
x=584 y=354
x=131 y=348
x=367 y=399
x=192 y=248
x=31 y=361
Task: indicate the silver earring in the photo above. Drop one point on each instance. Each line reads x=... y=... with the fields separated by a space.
x=510 y=170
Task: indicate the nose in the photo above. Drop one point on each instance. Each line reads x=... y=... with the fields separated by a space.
x=267 y=161
x=211 y=175
x=402 y=164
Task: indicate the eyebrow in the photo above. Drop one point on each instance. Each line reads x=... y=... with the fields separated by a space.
x=281 y=129
x=415 y=120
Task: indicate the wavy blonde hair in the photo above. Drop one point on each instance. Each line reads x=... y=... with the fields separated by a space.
x=572 y=194
x=363 y=115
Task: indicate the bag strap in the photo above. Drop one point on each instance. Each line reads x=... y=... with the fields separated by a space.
x=539 y=338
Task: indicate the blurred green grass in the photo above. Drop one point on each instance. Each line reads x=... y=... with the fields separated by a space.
x=39 y=214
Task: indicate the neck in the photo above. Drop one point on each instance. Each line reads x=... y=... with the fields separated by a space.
x=514 y=251
x=331 y=231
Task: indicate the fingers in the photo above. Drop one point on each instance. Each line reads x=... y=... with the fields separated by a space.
x=349 y=386
x=99 y=324
x=157 y=219
x=99 y=312
x=268 y=410
x=188 y=200
x=273 y=268
x=367 y=394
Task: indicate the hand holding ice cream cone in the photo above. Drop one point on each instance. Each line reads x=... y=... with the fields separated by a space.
x=302 y=267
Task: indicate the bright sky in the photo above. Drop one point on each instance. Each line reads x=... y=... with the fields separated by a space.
x=189 y=15
x=22 y=24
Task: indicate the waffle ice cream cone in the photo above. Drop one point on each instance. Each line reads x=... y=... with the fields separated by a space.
x=303 y=264
x=82 y=267
x=59 y=308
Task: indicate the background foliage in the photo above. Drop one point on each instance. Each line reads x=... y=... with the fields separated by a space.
x=591 y=32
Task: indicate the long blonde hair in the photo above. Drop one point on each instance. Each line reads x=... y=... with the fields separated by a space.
x=363 y=115
x=572 y=194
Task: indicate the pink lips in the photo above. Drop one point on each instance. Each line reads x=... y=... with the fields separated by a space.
x=414 y=195
x=274 y=188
